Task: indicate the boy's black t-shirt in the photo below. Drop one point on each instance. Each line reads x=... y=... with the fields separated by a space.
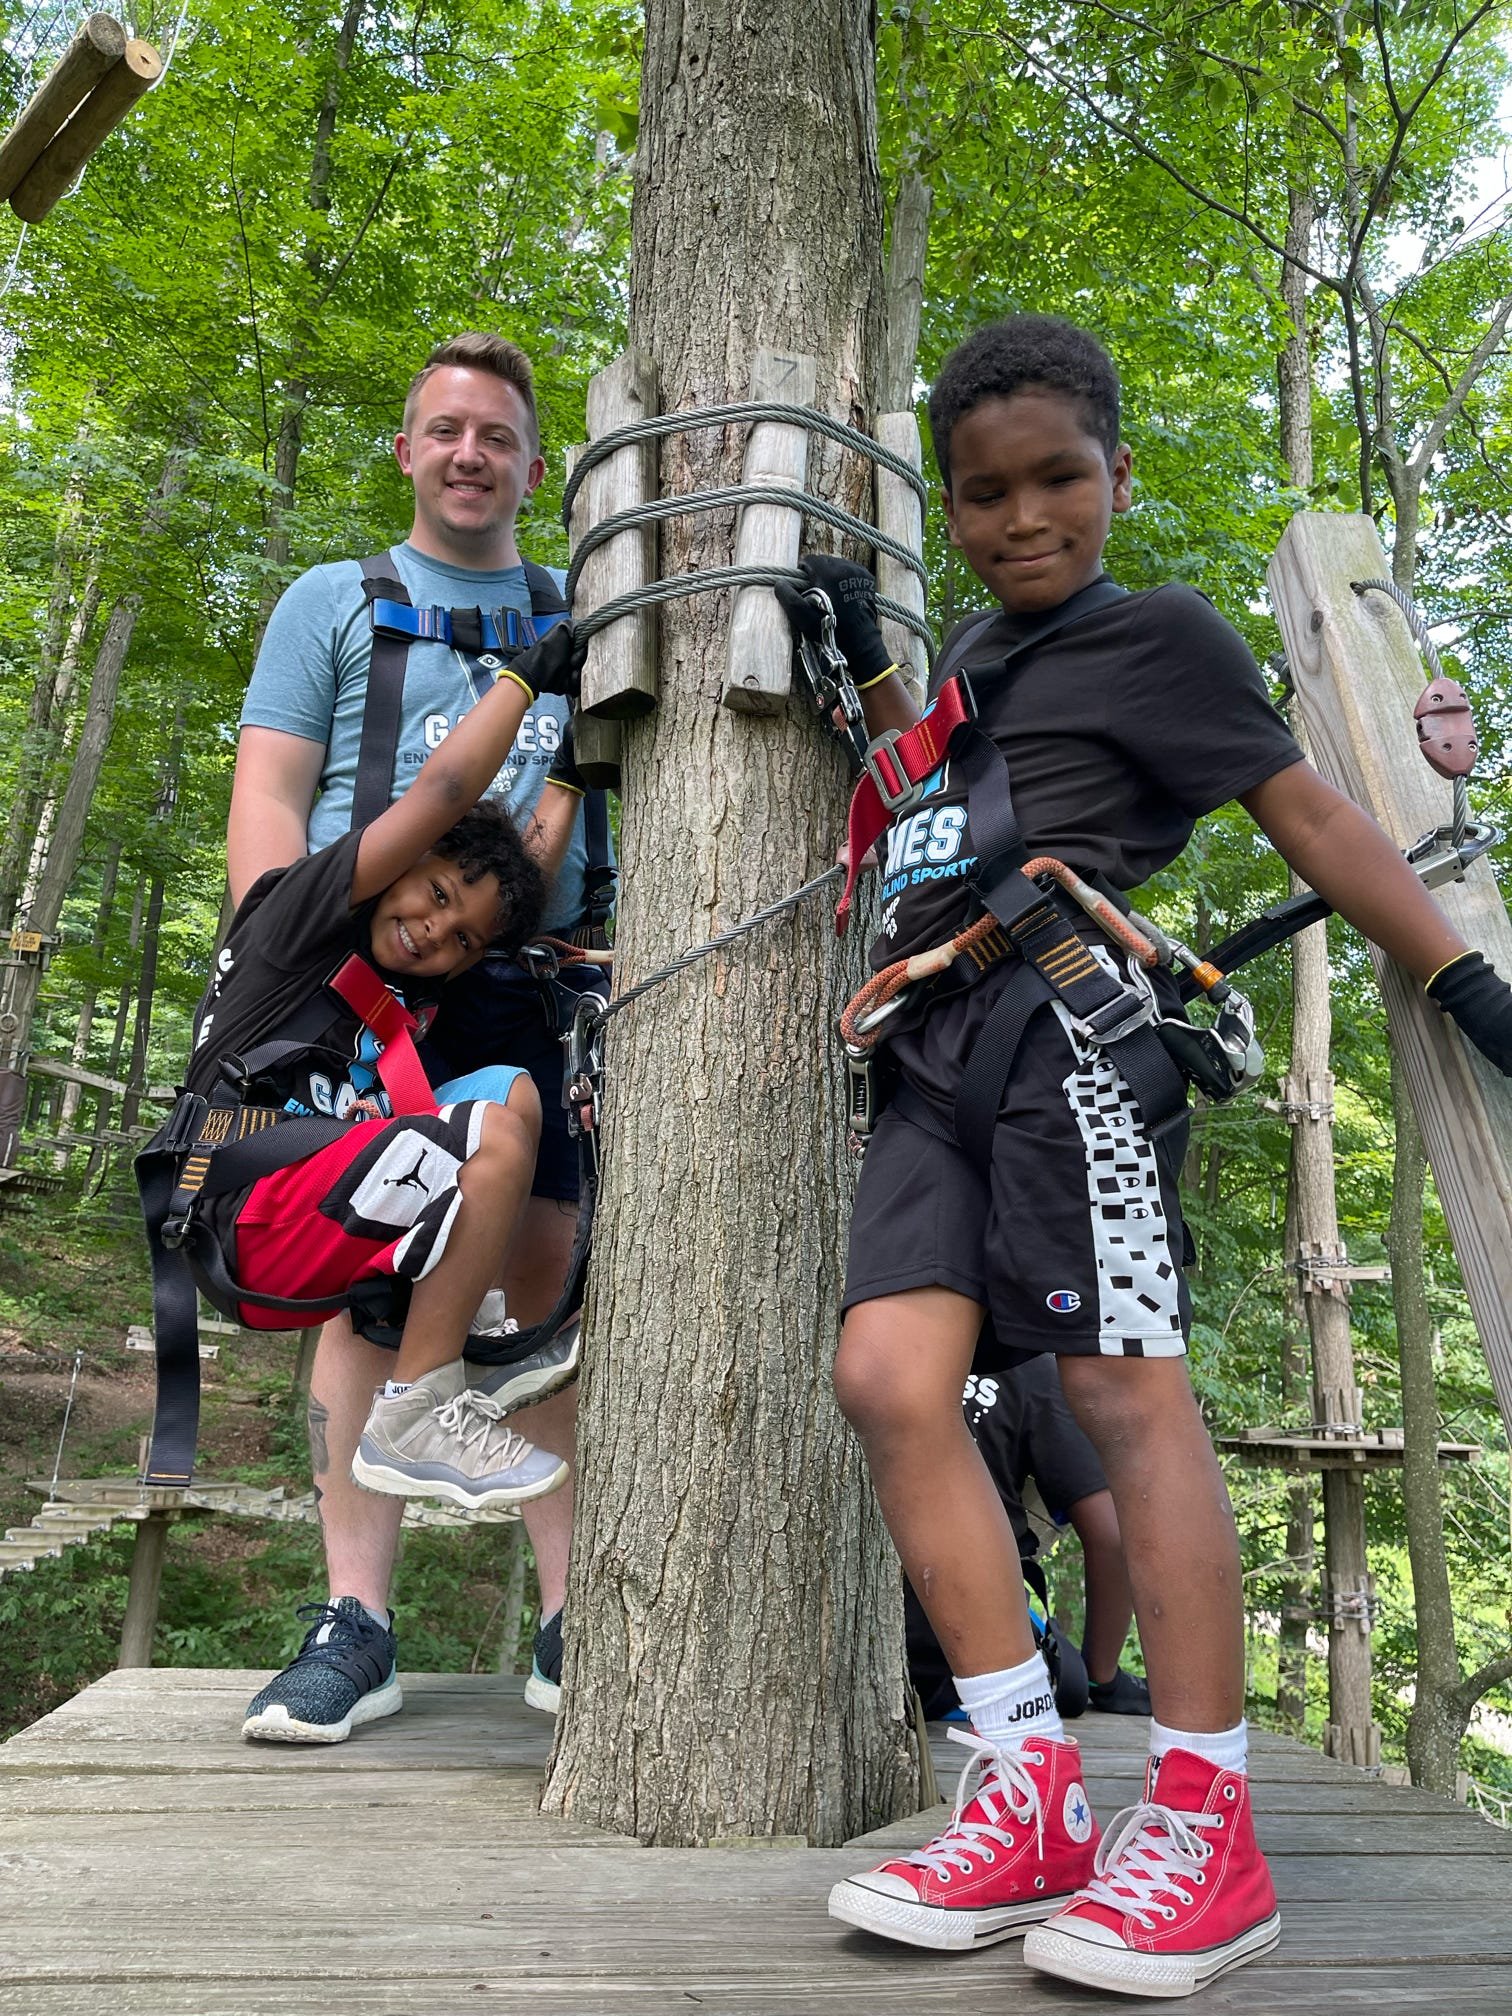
x=294 y=928
x=1119 y=732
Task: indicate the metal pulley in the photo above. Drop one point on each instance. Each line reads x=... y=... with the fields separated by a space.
x=1446 y=728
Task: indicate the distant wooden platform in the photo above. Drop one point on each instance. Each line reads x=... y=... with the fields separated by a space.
x=153 y=1864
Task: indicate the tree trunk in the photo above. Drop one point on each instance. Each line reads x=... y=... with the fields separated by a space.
x=297 y=387
x=1296 y=1582
x=141 y=1032
x=79 y=1055
x=103 y=1100
x=734 y=1658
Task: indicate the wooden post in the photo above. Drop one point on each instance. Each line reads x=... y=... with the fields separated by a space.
x=595 y=738
x=1357 y=676
x=98 y=47
x=901 y=515
x=620 y=676
x=759 y=662
x=144 y=1588
x=61 y=162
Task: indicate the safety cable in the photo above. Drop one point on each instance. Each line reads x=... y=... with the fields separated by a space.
x=735 y=495
x=717 y=944
x=655 y=427
x=709 y=583
x=657 y=424
x=1425 y=643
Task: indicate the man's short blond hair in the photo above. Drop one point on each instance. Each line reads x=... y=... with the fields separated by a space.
x=479 y=350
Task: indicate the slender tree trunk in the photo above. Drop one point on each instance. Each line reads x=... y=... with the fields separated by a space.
x=297 y=388
x=56 y=873
x=723 y=1518
x=79 y=1055
x=1296 y=1582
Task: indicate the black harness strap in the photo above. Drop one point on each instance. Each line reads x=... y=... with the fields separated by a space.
x=1041 y=926
x=383 y=715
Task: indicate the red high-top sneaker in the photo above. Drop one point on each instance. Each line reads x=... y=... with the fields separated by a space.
x=1012 y=1854
x=1181 y=1892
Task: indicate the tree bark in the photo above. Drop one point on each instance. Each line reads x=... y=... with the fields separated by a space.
x=79 y=1054
x=734 y=1660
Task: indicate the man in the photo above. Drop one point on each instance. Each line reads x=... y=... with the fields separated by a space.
x=470 y=447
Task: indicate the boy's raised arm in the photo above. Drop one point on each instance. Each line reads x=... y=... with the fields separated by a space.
x=457 y=773
x=1340 y=851
x=885 y=700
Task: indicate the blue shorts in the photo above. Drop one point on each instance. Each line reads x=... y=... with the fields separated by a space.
x=494 y=1015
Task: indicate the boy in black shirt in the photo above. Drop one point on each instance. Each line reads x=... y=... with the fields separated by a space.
x=431 y=1194
x=1118 y=732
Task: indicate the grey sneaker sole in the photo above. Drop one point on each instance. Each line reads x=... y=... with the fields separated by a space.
x=275 y=1724
x=374 y=1473
x=543 y=1694
x=522 y=1385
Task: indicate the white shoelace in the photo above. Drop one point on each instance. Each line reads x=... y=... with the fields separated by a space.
x=1005 y=1791
x=473 y=1418
x=1150 y=1851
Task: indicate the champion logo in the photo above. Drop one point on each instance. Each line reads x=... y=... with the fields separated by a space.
x=1064 y=1301
x=1076 y=1814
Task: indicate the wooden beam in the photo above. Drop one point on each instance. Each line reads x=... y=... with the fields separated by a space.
x=62 y=161
x=97 y=48
x=620 y=677
x=759 y=659
x=144 y=1588
x=75 y=1074
x=901 y=515
x=1357 y=676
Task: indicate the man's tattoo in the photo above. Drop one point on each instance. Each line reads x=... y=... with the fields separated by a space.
x=320 y=1455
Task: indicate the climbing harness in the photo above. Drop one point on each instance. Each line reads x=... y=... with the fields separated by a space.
x=213 y=1145
x=1031 y=907
x=497 y=634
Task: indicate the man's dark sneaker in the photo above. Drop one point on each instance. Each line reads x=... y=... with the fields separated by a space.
x=1124 y=1694
x=344 y=1675
x=543 y=1689
x=530 y=1379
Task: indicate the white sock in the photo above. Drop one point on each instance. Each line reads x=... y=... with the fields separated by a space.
x=392 y=1388
x=1227 y=1748
x=1013 y=1707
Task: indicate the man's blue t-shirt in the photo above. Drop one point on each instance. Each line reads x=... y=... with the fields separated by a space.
x=311 y=680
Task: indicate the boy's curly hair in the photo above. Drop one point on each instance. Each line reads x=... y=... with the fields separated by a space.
x=1004 y=357
x=486 y=841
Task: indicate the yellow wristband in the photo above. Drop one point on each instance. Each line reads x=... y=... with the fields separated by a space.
x=880 y=677
x=1468 y=953
x=562 y=784
x=529 y=693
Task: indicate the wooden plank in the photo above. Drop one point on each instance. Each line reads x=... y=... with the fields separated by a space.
x=1357 y=677
x=759 y=663
x=597 y=742
x=620 y=678
x=901 y=516
x=97 y=47
x=62 y=161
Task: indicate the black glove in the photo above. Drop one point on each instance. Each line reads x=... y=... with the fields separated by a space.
x=555 y=665
x=854 y=595
x=1478 y=998
x=564 y=769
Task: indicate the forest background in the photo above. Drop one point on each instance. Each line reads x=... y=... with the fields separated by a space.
x=203 y=354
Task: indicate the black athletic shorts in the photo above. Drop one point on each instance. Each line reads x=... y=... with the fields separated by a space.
x=1074 y=1243
x=494 y=1014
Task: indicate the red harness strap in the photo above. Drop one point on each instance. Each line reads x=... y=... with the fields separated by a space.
x=399 y=1066
x=897 y=763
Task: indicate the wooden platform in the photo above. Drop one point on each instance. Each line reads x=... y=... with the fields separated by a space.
x=153 y=1864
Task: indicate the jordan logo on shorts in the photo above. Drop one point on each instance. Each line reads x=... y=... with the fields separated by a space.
x=412 y=1181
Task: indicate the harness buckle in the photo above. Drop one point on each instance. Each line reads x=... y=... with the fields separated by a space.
x=897 y=791
x=583 y=1043
x=1117 y=1019
x=827 y=676
x=860 y=1095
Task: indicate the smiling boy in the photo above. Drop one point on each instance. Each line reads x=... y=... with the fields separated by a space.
x=1120 y=719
